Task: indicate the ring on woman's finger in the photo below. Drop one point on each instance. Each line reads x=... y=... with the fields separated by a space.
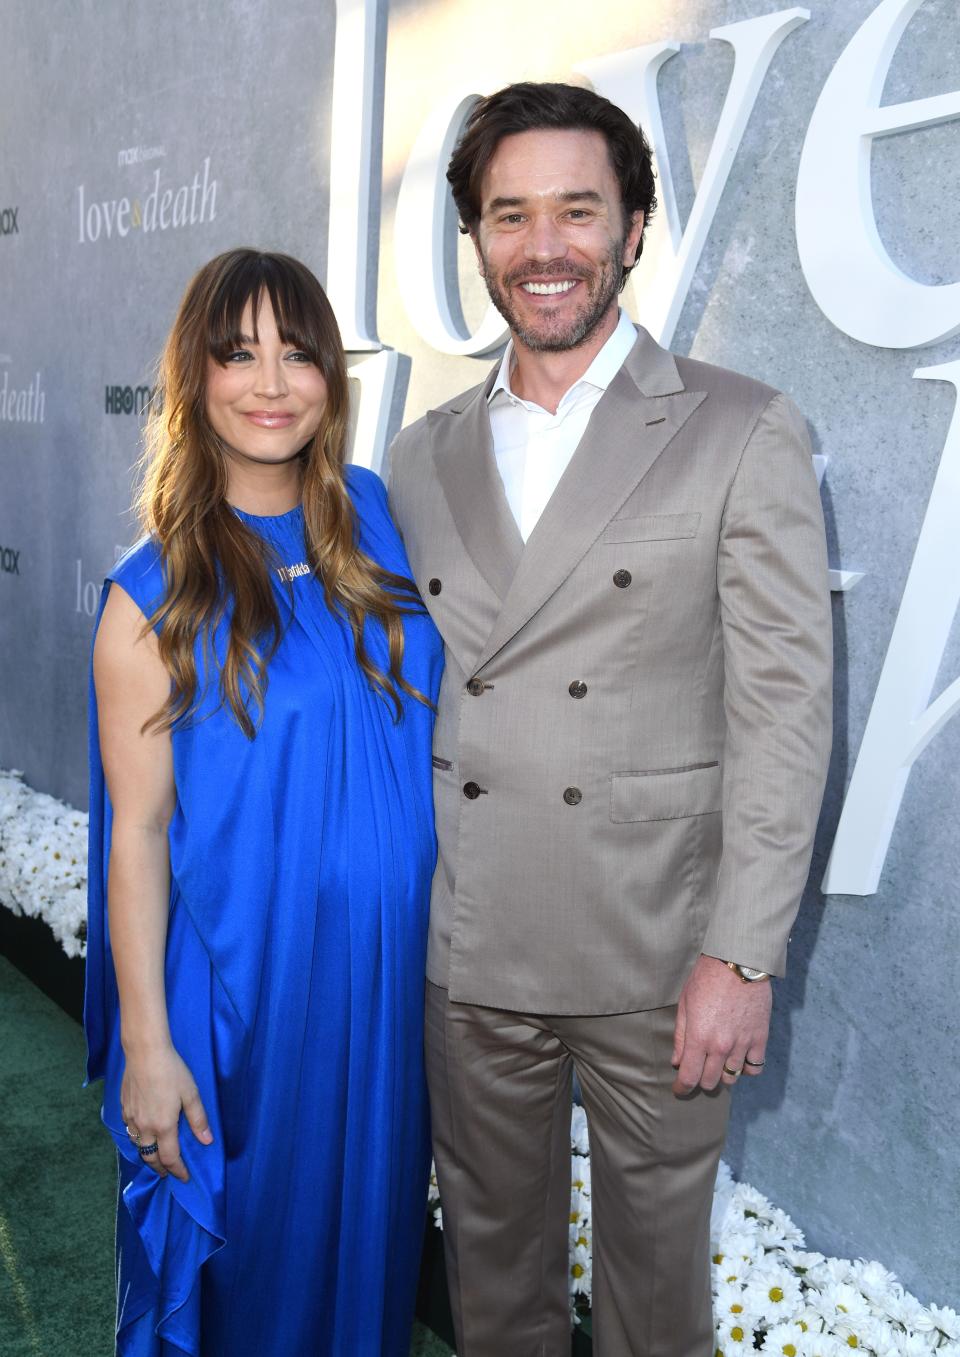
x=754 y=1064
x=144 y=1150
x=734 y=1074
x=133 y=1133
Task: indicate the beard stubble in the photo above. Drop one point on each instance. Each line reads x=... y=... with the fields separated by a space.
x=603 y=286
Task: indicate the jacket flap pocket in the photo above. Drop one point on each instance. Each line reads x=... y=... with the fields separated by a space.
x=668 y=794
x=651 y=528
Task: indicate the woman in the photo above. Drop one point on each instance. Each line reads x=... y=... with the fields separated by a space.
x=261 y=850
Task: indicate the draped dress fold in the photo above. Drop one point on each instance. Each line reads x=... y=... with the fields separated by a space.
x=300 y=874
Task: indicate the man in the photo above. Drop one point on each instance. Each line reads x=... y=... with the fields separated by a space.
x=624 y=552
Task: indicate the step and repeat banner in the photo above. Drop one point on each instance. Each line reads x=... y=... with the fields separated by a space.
x=809 y=168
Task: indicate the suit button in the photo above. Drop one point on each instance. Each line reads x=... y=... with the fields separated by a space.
x=622 y=579
x=573 y=796
x=577 y=688
x=434 y=586
x=475 y=687
x=471 y=791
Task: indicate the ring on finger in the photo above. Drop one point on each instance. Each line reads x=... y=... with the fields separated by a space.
x=144 y=1150
x=133 y=1134
x=734 y=1074
x=754 y=1064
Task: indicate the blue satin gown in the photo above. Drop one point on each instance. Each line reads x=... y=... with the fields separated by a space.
x=301 y=865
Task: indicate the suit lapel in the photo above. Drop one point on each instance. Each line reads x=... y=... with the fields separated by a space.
x=468 y=475
x=641 y=411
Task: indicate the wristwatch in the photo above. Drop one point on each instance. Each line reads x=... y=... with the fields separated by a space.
x=747 y=973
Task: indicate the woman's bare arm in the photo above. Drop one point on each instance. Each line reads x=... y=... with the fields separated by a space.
x=132 y=684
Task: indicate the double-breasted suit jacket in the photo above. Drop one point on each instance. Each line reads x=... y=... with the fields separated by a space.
x=634 y=722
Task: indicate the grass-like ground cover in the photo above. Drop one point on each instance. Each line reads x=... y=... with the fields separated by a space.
x=57 y=1188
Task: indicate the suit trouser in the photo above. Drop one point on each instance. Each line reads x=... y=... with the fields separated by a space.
x=500 y=1095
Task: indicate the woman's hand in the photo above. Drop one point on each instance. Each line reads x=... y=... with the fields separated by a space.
x=156 y=1086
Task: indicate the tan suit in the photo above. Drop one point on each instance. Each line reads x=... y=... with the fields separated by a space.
x=632 y=737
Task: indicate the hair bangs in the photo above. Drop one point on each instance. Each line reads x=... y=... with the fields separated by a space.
x=296 y=318
x=253 y=278
x=238 y=285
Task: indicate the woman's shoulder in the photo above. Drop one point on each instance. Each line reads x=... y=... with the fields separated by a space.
x=364 y=487
x=139 y=572
x=378 y=536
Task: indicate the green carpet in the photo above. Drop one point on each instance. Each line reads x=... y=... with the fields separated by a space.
x=57 y=1189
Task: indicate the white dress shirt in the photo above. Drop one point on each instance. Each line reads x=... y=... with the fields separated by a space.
x=532 y=446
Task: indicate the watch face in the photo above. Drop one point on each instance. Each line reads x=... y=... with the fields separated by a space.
x=749 y=973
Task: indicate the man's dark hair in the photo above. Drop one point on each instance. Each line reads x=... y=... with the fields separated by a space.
x=529 y=107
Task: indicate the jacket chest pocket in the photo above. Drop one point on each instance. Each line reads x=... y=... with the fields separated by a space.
x=651 y=528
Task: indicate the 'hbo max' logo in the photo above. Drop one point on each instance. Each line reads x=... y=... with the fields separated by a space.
x=127 y=400
x=9 y=561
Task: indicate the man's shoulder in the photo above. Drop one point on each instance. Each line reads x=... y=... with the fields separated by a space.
x=731 y=395
x=746 y=393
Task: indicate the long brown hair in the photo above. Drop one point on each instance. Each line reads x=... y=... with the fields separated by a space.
x=214 y=564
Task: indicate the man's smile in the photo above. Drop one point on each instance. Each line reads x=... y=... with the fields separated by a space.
x=549 y=289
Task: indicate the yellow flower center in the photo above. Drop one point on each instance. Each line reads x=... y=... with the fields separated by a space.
x=736 y=1333
x=736 y=1308
x=852 y=1341
x=789 y=1350
x=718 y=1258
x=573 y=1217
x=775 y=1293
x=577 y=1270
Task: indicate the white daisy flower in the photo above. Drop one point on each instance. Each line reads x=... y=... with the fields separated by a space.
x=739 y=1244
x=750 y=1202
x=910 y=1344
x=827 y=1345
x=785 y=1340
x=877 y=1337
x=872 y=1279
x=580 y=1270
x=579 y=1133
x=801 y=1261
x=728 y=1302
x=904 y=1308
x=809 y=1320
x=779 y=1231
x=839 y=1302
x=734 y=1336
x=773 y=1292
x=947 y=1321
x=830 y=1272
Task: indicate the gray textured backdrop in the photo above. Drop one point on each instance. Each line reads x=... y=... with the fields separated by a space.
x=853 y=1127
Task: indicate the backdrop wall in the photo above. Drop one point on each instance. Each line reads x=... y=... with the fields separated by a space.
x=793 y=244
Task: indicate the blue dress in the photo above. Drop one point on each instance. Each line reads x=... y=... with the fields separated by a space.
x=301 y=863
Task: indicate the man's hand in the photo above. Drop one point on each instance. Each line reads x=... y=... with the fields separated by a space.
x=721 y=1023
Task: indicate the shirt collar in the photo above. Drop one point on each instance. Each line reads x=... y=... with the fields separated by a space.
x=601 y=372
